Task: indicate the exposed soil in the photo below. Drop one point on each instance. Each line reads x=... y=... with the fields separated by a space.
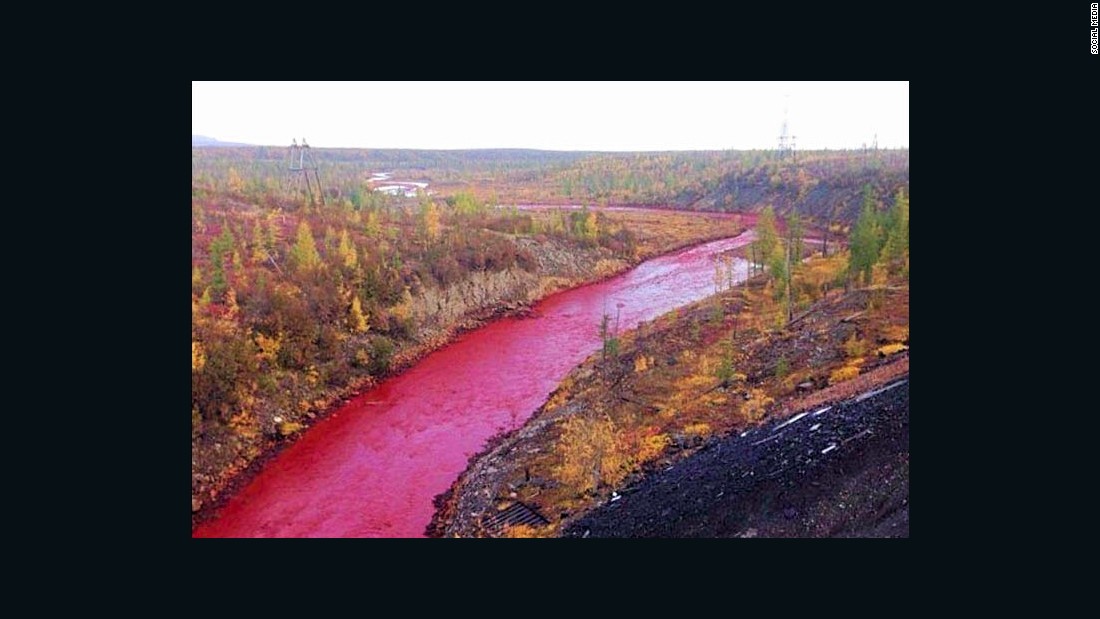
x=840 y=471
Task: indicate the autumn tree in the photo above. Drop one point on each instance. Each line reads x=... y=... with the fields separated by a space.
x=236 y=184
x=592 y=453
x=897 y=234
x=373 y=228
x=331 y=242
x=584 y=224
x=429 y=220
x=466 y=204
x=402 y=313
x=591 y=226
x=198 y=217
x=219 y=385
x=795 y=233
x=792 y=260
x=222 y=245
x=260 y=247
x=767 y=238
x=271 y=232
x=357 y=319
x=346 y=252
x=779 y=271
x=609 y=337
x=303 y=255
x=724 y=371
x=866 y=241
x=198 y=356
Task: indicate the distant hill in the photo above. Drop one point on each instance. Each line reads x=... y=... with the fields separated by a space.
x=202 y=140
x=824 y=189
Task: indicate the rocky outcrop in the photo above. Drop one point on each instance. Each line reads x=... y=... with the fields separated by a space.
x=439 y=308
x=484 y=293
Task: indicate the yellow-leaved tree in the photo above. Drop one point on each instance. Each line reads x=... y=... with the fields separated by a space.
x=592 y=454
x=346 y=251
x=591 y=227
x=236 y=184
x=198 y=356
x=303 y=255
x=429 y=220
x=373 y=227
x=357 y=319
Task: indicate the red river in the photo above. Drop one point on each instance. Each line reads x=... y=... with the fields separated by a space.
x=372 y=468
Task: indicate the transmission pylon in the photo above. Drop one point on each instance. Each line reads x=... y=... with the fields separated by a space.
x=300 y=163
x=786 y=140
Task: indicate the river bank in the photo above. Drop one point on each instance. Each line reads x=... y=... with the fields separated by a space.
x=661 y=399
x=240 y=477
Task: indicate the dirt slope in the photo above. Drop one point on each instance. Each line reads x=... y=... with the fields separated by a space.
x=840 y=471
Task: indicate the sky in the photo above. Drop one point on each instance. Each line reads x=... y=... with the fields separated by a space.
x=602 y=116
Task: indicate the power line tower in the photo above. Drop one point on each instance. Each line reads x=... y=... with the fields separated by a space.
x=786 y=140
x=871 y=152
x=300 y=163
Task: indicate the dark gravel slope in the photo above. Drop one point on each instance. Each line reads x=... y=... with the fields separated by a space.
x=841 y=471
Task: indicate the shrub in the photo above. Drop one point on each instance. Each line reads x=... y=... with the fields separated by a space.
x=521 y=531
x=698 y=429
x=361 y=358
x=651 y=447
x=895 y=333
x=717 y=313
x=847 y=372
x=447 y=270
x=287 y=428
x=381 y=354
x=757 y=404
x=855 y=347
x=611 y=347
x=782 y=368
x=890 y=349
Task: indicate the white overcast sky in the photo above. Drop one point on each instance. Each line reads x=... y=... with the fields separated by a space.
x=610 y=116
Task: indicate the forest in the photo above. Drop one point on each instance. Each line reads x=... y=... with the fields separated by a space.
x=298 y=303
